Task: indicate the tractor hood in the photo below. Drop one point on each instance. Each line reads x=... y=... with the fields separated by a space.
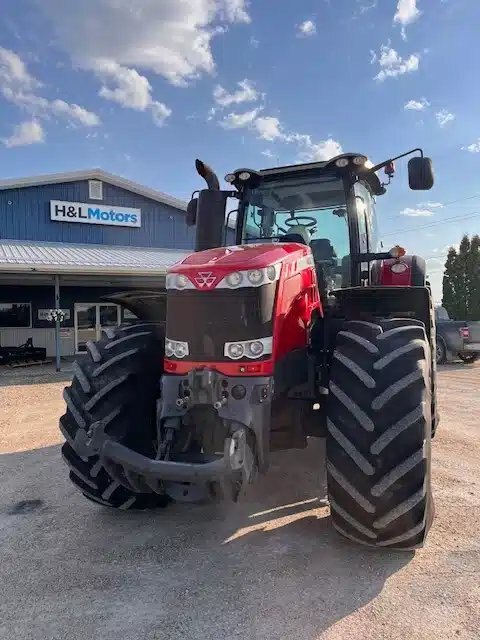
x=209 y=269
x=248 y=256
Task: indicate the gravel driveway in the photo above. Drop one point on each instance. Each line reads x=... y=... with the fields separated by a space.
x=269 y=568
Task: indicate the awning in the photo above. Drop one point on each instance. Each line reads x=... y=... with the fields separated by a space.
x=65 y=258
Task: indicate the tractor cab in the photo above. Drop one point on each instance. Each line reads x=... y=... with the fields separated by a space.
x=327 y=206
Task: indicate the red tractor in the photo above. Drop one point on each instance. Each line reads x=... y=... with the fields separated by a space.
x=285 y=323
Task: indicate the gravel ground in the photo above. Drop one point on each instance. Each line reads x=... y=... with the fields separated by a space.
x=269 y=568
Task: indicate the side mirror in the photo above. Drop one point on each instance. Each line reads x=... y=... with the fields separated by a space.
x=420 y=173
x=191 y=216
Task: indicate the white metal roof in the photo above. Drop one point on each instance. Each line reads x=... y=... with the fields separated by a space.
x=65 y=258
x=94 y=174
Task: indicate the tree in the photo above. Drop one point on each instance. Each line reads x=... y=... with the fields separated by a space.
x=449 y=297
x=472 y=273
x=461 y=280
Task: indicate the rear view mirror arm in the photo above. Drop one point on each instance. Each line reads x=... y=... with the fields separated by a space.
x=377 y=167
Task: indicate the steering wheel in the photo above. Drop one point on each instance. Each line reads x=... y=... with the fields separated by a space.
x=305 y=221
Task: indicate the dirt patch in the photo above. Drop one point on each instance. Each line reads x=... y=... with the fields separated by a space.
x=269 y=568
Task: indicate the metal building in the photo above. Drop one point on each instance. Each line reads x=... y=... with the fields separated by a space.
x=67 y=240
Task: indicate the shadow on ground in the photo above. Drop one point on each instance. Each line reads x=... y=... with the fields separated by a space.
x=270 y=567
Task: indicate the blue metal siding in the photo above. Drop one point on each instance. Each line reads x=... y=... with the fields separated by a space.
x=25 y=215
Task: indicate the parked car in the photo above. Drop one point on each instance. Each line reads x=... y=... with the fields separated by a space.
x=456 y=339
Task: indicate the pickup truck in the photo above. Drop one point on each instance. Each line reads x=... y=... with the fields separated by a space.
x=456 y=339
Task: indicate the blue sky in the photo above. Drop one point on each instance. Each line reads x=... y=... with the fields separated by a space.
x=142 y=88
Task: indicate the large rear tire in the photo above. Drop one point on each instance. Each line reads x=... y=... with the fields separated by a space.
x=117 y=381
x=379 y=434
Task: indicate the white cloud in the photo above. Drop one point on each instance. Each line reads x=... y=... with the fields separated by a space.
x=407 y=12
x=269 y=128
x=444 y=117
x=474 y=147
x=25 y=133
x=171 y=38
x=245 y=93
x=160 y=112
x=431 y=205
x=306 y=28
x=444 y=250
x=73 y=112
x=416 y=105
x=42 y=108
x=392 y=64
x=130 y=89
x=268 y=154
x=235 y=11
x=126 y=86
x=416 y=213
x=364 y=8
x=317 y=151
x=14 y=74
x=239 y=120
x=20 y=87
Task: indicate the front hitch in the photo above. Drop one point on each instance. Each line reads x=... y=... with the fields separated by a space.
x=226 y=475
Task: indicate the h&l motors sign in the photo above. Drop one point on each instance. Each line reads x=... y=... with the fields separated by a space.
x=93 y=214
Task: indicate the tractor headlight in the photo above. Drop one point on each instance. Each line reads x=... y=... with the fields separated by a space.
x=169 y=348
x=341 y=163
x=234 y=279
x=230 y=178
x=255 y=276
x=181 y=281
x=176 y=348
x=271 y=274
x=178 y=281
x=255 y=348
x=234 y=350
x=359 y=160
x=181 y=349
x=248 y=349
x=250 y=278
x=244 y=176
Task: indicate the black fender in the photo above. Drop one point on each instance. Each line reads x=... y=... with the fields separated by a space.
x=148 y=306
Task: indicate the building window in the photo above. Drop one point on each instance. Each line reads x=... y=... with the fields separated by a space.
x=95 y=190
x=15 y=314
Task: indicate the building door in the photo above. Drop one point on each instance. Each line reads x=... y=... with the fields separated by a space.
x=90 y=319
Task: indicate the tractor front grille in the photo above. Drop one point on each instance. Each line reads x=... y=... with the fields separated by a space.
x=206 y=320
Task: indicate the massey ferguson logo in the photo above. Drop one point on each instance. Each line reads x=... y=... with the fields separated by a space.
x=205 y=279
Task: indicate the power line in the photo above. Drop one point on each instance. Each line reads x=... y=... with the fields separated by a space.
x=467 y=216
x=445 y=204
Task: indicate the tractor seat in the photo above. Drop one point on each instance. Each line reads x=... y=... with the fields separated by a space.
x=322 y=250
x=298 y=234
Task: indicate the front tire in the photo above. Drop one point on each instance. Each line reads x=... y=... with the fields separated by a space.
x=117 y=381
x=379 y=433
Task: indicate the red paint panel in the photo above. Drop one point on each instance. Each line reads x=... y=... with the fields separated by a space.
x=182 y=367
x=221 y=261
x=297 y=296
x=297 y=299
x=389 y=278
